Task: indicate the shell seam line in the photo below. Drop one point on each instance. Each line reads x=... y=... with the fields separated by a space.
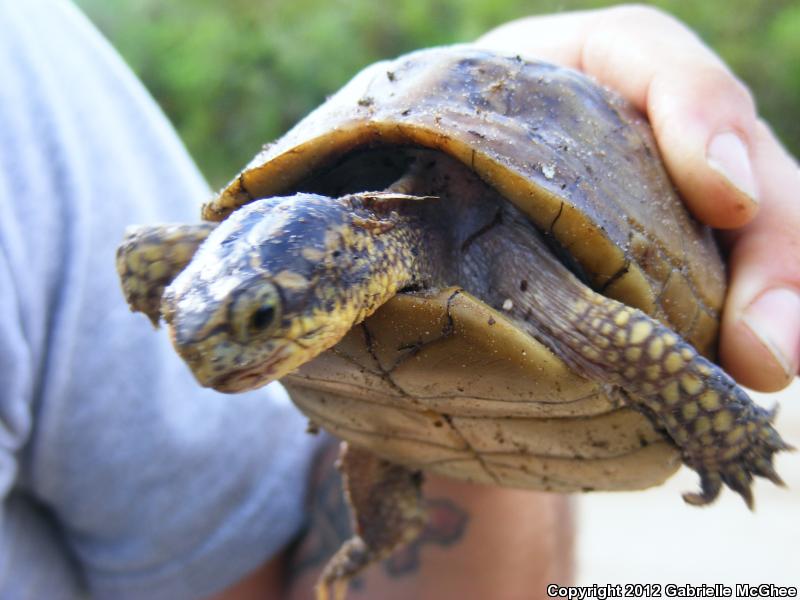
x=468 y=398
x=476 y=455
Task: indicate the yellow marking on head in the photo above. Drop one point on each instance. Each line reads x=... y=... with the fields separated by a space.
x=735 y=435
x=652 y=372
x=723 y=421
x=691 y=384
x=312 y=254
x=709 y=400
x=255 y=262
x=674 y=362
x=630 y=372
x=633 y=353
x=689 y=411
x=596 y=322
x=621 y=337
x=687 y=354
x=332 y=239
x=656 y=348
x=289 y=280
x=701 y=425
x=606 y=328
x=622 y=317
x=612 y=356
x=671 y=392
x=640 y=331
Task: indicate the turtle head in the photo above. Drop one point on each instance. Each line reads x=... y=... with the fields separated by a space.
x=265 y=293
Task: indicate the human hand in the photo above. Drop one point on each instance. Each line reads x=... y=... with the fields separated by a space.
x=731 y=170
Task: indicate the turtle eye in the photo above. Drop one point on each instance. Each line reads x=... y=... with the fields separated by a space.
x=262 y=318
x=255 y=311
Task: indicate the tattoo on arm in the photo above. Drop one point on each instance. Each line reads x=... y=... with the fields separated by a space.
x=329 y=526
x=446 y=525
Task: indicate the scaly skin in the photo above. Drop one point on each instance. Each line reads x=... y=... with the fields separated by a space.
x=388 y=511
x=318 y=266
x=722 y=434
x=151 y=256
x=283 y=279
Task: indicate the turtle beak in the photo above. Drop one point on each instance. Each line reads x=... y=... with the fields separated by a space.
x=250 y=378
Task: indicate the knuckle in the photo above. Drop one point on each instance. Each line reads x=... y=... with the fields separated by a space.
x=644 y=14
x=707 y=89
x=720 y=84
x=739 y=89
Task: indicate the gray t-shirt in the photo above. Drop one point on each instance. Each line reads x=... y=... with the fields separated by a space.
x=118 y=473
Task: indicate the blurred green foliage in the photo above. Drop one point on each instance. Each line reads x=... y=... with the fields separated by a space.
x=235 y=74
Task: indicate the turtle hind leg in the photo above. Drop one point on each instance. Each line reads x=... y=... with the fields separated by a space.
x=387 y=510
x=150 y=257
x=722 y=434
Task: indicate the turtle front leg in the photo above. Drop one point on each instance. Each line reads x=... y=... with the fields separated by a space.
x=387 y=511
x=151 y=256
x=721 y=432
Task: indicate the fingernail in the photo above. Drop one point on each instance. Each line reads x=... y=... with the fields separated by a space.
x=774 y=318
x=727 y=154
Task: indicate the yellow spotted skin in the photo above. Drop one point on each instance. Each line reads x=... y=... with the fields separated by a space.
x=151 y=256
x=722 y=434
x=283 y=279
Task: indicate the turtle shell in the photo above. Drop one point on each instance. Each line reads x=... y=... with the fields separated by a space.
x=442 y=381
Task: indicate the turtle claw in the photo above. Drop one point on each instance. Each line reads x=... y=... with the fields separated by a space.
x=710 y=486
x=771 y=437
x=734 y=476
x=763 y=468
x=739 y=480
x=737 y=472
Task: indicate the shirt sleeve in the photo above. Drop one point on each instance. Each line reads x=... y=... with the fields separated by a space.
x=146 y=484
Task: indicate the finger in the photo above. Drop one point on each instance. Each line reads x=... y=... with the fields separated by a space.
x=557 y=38
x=703 y=117
x=761 y=325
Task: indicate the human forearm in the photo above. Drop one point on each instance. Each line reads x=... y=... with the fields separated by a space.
x=480 y=541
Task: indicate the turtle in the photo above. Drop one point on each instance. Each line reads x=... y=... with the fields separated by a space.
x=471 y=264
